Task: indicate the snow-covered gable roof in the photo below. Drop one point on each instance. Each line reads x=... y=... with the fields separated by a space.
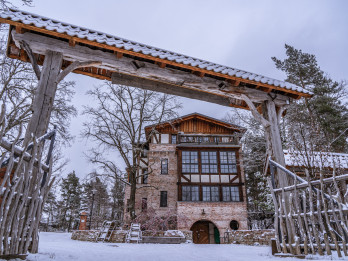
x=38 y=21
x=317 y=159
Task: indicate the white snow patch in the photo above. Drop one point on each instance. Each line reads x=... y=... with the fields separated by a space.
x=174 y=233
x=59 y=247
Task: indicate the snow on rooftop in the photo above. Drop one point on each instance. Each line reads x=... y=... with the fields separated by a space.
x=317 y=159
x=100 y=37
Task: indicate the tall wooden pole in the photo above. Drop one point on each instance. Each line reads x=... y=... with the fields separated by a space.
x=44 y=96
x=274 y=142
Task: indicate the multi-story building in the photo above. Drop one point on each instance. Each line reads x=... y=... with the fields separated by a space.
x=193 y=167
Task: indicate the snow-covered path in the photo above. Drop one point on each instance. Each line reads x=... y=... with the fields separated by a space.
x=59 y=247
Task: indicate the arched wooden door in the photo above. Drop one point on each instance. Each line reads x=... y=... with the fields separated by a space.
x=200 y=232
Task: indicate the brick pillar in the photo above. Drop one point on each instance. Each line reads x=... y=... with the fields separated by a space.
x=83 y=221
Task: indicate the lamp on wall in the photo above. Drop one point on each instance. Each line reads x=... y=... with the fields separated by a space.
x=203 y=212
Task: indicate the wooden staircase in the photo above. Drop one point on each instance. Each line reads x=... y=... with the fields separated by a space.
x=134 y=235
x=106 y=230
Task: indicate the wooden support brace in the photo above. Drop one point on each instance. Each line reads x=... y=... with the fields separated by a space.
x=199 y=74
x=32 y=58
x=236 y=83
x=19 y=29
x=119 y=55
x=74 y=66
x=160 y=64
x=265 y=123
x=72 y=42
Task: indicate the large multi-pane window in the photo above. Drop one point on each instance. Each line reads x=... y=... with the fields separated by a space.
x=228 y=163
x=210 y=193
x=230 y=194
x=190 y=193
x=190 y=162
x=209 y=162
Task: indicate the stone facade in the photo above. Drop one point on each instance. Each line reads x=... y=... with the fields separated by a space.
x=219 y=213
x=158 y=182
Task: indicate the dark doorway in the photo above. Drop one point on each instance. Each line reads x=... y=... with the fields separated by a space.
x=205 y=232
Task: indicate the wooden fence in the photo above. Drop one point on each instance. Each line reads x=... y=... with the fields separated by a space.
x=310 y=217
x=24 y=185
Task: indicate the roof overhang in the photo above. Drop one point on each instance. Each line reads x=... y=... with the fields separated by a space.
x=134 y=64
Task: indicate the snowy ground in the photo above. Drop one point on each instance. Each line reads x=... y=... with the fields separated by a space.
x=59 y=247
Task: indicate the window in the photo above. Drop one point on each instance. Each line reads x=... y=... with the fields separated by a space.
x=164 y=166
x=144 y=204
x=163 y=199
x=210 y=193
x=230 y=194
x=144 y=177
x=234 y=225
x=128 y=205
x=190 y=193
x=190 y=162
x=209 y=162
x=173 y=138
x=228 y=162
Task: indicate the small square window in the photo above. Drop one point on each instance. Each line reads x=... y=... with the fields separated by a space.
x=144 y=204
x=174 y=138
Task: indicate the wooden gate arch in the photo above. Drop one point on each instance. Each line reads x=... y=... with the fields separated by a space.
x=62 y=48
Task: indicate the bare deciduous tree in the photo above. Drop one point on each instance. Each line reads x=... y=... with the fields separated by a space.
x=7 y=4
x=117 y=123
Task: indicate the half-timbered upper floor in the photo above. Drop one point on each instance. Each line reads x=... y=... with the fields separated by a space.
x=206 y=155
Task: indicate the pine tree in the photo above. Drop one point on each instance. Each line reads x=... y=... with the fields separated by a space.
x=49 y=215
x=117 y=200
x=101 y=201
x=254 y=158
x=325 y=113
x=71 y=201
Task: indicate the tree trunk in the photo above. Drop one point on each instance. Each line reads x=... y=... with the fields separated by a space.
x=132 y=179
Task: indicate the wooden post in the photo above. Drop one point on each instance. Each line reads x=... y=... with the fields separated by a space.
x=274 y=142
x=45 y=94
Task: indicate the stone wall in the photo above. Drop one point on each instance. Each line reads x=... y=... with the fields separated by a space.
x=157 y=182
x=251 y=237
x=118 y=236
x=84 y=235
x=219 y=213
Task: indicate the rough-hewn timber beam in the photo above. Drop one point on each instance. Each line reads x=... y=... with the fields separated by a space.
x=130 y=80
x=205 y=86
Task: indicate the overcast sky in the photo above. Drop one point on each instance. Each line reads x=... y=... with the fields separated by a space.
x=240 y=34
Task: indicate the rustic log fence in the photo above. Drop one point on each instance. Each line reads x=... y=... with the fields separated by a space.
x=310 y=217
x=24 y=186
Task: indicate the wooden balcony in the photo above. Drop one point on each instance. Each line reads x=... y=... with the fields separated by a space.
x=208 y=139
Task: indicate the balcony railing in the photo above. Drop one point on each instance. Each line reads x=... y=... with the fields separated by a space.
x=208 y=139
